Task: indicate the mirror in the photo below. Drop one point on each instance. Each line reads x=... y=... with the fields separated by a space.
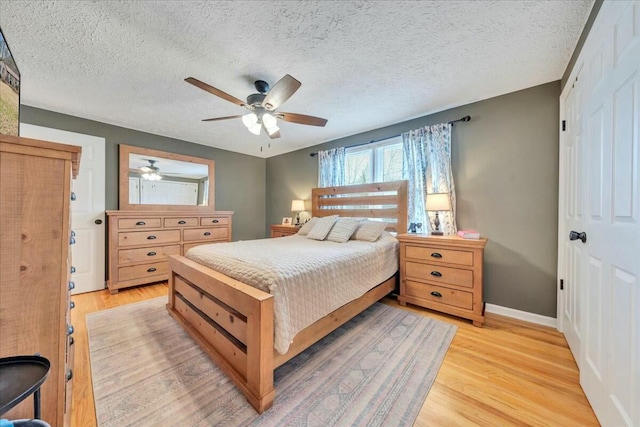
x=157 y=180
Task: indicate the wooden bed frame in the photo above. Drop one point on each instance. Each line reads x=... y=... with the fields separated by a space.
x=233 y=322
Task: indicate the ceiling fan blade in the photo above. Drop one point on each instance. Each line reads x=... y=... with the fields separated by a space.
x=220 y=118
x=301 y=119
x=280 y=92
x=214 y=91
x=272 y=135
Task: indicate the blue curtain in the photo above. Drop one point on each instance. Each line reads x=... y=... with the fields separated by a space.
x=427 y=167
x=331 y=167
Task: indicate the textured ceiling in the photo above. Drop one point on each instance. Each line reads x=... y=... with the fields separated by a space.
x=363 y=64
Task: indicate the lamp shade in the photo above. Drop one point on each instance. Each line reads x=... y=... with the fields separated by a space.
x=438 y=202
x=297 y=205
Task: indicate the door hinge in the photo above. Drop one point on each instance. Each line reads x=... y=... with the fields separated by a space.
x=561 y=284
x=564 y=125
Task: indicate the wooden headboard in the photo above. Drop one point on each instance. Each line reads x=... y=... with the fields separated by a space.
x=386 y=201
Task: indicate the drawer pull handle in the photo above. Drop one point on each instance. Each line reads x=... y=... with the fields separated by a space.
x=69 y=374
x=72 y=305
x=70 y=329
x=141 y=223
x=73 y=269
x=436 y=255
x=151 y=270
x=436 y=294
x=151 y=237
x=151 y=253
x=436 y=273
x=71 y=341
x=206 y=233
x=215 y=221
x=72 y=285
x=182 y=222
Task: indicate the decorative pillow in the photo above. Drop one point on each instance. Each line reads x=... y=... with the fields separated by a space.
x=369 y=231
x=322 y=227
x=306 y=228
x=343 y=229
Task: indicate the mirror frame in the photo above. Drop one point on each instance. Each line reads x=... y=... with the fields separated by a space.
x=123 y=194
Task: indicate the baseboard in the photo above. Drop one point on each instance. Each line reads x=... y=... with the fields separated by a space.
x=521 y=315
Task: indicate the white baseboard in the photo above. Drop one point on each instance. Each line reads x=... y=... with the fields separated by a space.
x=521 y=315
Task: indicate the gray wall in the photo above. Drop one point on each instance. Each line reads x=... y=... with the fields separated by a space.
x=505 y=165
x=239 y=180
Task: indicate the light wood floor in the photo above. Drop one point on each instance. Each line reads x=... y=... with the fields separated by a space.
x=507 y=373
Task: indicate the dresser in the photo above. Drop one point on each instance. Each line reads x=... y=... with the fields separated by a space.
x=141 y=242
x=443 y=273
x=35 y=265
x=278 y=230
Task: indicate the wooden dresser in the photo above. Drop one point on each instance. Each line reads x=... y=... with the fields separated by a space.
x=278 y=230
x=443 y=273
x=140 y=242
x=35 y=265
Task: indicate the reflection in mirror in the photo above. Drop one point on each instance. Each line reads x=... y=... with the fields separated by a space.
x=153 y=180
x=162 y=181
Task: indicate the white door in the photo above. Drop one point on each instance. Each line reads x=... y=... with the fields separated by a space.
x=570 y=215
x=87 y=211
x=608 y=263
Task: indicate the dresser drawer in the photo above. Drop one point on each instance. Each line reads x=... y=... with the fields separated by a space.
x=211 y=233
x=214 y=220
x=440 y=255
x=143 y=270
x=154 y=253
x=439 y=294
x=180 y=222
x=440 y=274
x=132 y=223
x=136 y=238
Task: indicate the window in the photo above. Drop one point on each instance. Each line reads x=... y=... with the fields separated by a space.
x=378 y=162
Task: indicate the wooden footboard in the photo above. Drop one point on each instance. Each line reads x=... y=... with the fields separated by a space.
x=233 y=323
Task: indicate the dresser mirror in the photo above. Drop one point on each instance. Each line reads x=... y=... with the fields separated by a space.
x=152 y=180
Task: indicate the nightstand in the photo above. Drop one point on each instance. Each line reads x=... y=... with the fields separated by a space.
x=283 y=230
x=443 y=273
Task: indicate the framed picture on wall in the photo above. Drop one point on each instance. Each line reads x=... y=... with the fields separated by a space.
x=286 y=220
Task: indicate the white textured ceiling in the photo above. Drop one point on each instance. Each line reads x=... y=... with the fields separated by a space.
x=363 y=64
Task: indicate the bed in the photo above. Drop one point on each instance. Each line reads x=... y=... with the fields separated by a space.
x=238 y=322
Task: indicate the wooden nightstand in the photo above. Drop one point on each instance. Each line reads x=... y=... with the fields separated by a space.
x=443 y=273
x=283 y=230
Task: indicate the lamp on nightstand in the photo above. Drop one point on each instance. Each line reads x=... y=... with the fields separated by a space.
x=437 y=202
x=297 y=206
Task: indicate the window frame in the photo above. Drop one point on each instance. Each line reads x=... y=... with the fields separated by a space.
x=376 y=157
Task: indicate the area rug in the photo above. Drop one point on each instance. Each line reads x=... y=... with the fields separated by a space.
x=376 y=370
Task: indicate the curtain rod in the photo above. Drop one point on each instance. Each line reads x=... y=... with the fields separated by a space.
x=463 y=119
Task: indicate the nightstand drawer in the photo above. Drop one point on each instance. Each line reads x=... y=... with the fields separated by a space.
x=440 y=274
x=440 y=294
x=440 y=255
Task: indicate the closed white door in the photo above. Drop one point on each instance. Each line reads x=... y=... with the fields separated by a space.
x=608 y=263
x=87 y=211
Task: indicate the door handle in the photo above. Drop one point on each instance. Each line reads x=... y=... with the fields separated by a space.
x=574 y=235
x=98 y=221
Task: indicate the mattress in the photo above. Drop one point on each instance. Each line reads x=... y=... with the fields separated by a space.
x=307 y=278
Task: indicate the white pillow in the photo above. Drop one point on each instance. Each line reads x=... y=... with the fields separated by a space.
x=369 y=231
x=322 y=227
x=306 y=228
x=343 y=229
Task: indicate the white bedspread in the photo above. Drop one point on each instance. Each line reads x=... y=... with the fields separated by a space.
x=308 y=279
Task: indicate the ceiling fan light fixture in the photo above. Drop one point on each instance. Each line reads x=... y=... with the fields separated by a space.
x=272 y=130
x=249 y=120
x=269 y=121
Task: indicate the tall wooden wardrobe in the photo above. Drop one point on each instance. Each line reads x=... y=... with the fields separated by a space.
x=35 y=265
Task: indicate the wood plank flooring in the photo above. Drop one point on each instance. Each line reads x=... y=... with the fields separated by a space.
x=507 y=373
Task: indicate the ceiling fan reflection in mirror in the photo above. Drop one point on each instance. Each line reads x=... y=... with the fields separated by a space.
x=263 y=106
x=150 y=172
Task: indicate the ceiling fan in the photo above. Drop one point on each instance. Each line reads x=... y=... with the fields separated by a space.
x=150 y=172
x=263 y=105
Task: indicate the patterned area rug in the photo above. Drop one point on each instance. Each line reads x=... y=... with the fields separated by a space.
x=376 y=370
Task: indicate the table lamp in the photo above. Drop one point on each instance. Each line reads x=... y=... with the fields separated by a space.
x=437 y=202
x=297 y=206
